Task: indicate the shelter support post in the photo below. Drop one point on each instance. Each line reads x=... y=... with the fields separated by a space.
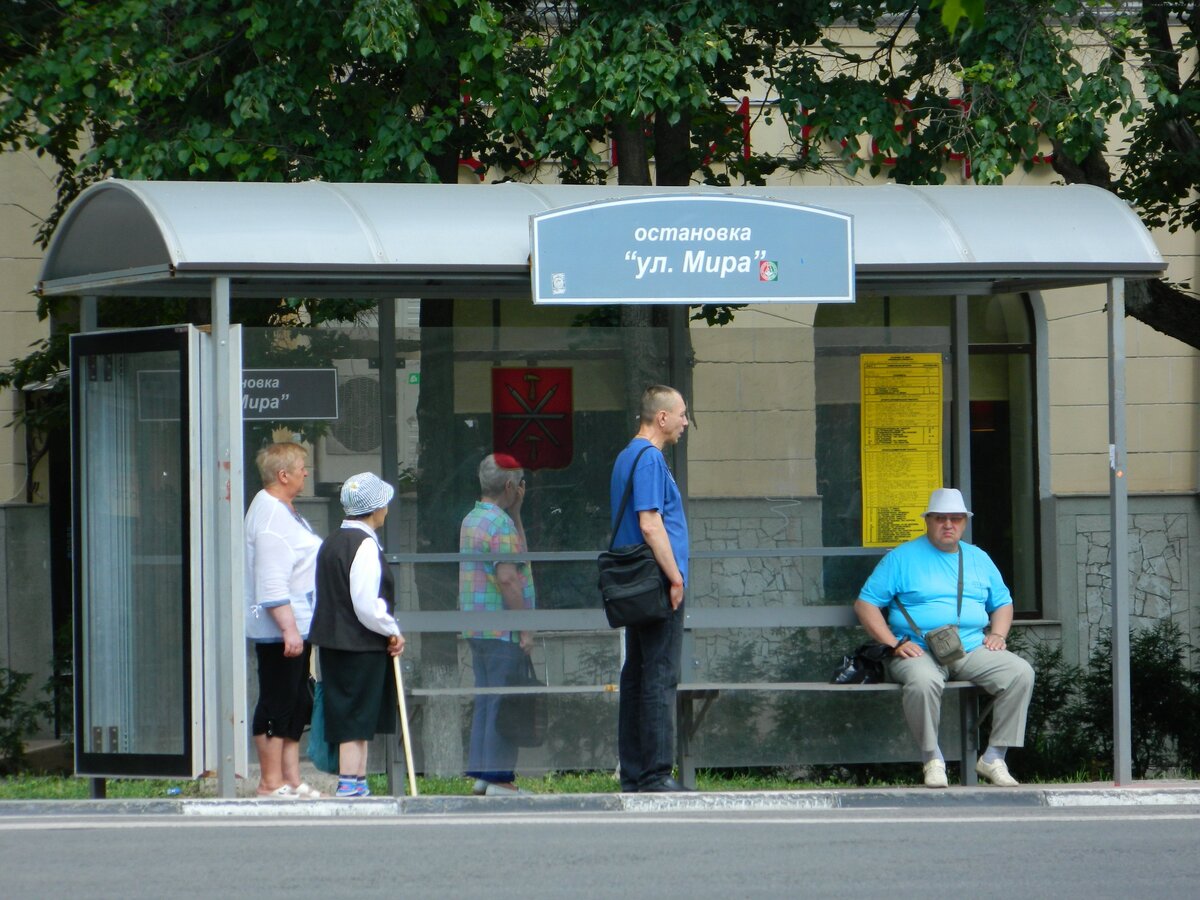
x=679 y=365
x=223 y=601
x=389 y=471
x=89 y=321
x=1119 y=539
x=389 y=466
x=960 y=456
x=88 y=315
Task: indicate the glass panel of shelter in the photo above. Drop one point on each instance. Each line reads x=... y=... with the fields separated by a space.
x=132 y=619
x=772 y=463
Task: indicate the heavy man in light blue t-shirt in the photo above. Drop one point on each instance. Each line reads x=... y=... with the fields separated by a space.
x=923 y=575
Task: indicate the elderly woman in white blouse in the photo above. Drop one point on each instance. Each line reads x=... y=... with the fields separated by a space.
x=281 y=559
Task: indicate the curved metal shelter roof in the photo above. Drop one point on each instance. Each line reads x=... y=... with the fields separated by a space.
x=161 y=238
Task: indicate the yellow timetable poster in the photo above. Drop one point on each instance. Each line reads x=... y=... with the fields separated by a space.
x=901 y=443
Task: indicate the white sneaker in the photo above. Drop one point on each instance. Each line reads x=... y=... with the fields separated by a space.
x=305 y=792
x=935 y=774
x=503 y=790
x=997 y=773
x=283 y=792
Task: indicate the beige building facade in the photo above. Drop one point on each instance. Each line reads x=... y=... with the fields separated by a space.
x=26 y=195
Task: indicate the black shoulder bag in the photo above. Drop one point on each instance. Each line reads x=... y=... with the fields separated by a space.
x=864 y=665
x=521 y=718
x=632 y=585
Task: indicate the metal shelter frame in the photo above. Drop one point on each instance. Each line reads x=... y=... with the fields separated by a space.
x=382 y=241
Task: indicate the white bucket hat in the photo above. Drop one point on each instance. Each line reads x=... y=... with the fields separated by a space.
x=364 y=493
x=946 y=501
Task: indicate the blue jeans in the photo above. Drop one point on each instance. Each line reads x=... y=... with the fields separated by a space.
x=645 y=733
x=491 y=756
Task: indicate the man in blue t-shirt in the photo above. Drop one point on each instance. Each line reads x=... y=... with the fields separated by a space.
x=923 y=574
x=654 y=515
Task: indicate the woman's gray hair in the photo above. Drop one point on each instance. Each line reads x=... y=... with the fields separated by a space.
x=493 y=477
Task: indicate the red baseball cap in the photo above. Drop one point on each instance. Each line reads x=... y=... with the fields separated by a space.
x=505 y=461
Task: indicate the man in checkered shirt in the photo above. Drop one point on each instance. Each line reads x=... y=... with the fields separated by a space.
x=494 y=526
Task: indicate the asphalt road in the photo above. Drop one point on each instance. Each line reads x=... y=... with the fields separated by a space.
x=1061 y=853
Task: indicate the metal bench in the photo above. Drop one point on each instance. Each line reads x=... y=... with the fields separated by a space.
x=693 y=699
x=689 y=718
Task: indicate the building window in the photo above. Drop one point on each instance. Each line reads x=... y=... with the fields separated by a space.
x=1000 y=419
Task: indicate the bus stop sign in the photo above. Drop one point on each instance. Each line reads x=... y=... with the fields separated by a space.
x=694 y=249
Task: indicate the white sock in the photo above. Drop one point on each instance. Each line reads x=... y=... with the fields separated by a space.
x=993 y=753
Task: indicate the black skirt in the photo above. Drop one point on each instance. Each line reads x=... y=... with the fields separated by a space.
x=360 y=695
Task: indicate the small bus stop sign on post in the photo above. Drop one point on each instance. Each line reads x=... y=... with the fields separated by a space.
x=284 y=394
x=688 y=248
x=268 y=395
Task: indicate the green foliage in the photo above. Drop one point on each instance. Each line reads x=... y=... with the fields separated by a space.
x=954 y=11
x=583 y=728
x=991 y=94
x=1070 y=726
x=19 y=716
x=1162 y=158
x=396 y=90
x=1056 y=742
x=1164 y=697
x=737 y=720
x=45 y=365
x=270 y=90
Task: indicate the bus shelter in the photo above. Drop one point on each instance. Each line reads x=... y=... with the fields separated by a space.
x=161 y=416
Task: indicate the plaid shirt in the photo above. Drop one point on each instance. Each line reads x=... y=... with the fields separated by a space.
x=489 y=529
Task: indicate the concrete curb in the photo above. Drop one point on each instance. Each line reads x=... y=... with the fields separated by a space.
x=1056 y=796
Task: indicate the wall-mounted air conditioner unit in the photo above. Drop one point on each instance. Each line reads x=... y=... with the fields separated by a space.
x=354 y=441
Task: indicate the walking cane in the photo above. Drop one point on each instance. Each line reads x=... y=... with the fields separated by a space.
x=408 y=755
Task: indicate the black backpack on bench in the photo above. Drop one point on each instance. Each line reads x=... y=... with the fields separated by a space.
x=863 y=666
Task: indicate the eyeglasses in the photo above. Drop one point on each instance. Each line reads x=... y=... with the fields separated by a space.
x=956 y=518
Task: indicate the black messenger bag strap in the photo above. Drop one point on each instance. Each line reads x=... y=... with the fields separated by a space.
x=626 y=496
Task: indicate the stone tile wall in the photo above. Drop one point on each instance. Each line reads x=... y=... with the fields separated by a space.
x=1162 y=558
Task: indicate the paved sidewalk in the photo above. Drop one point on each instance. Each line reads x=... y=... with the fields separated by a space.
x=1142 y=793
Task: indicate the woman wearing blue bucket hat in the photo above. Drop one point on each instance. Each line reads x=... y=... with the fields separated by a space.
x=356 y=631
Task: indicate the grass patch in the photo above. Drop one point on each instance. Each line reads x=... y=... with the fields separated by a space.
x=53 y=787
x=56 y=787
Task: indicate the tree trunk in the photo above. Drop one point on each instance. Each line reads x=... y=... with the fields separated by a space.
x=437 y=584
x=633 y=163
x=644 y=353
x=446 y=166
x=673 y=164
x=1164 y=308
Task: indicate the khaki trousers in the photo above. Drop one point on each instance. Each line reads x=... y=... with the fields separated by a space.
x=1006 y=676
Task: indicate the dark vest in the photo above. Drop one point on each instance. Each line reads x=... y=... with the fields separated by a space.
x=334 y=624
